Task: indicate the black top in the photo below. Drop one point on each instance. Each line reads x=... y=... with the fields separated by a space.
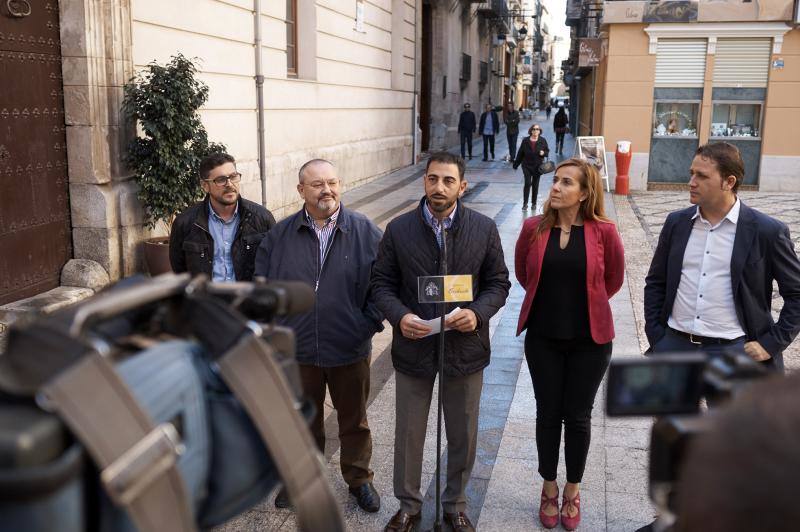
x=561 y=306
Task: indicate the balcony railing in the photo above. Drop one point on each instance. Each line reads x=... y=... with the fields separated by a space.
x=494 y=9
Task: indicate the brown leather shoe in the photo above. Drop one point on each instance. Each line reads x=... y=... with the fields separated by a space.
x=459 y=522
x=402 y=522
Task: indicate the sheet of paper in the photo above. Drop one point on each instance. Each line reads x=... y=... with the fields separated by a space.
x=436 y=323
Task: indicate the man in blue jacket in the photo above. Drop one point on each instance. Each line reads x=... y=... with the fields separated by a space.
x=332 y=249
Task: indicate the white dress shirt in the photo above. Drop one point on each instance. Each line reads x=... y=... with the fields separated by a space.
x=704 y=302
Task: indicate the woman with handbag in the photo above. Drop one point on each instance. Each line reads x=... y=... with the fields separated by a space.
x=560 y=126
x=570 y=261
x=531 y=154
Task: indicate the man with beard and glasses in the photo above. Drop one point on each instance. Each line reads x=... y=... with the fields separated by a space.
x=332 y=249
x=219 y=236
x=411 y=248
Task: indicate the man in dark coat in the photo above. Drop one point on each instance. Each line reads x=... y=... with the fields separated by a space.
x=332 y=249
x=560 y=126
x=489 y=126
x=466 y=129
x=410 y=248
x=219 y=236
x=511 y=119
x=709 y=287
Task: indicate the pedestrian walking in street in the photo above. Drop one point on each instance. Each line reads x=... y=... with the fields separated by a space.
x=466 y=129
x=511 y=119
x=219 y=235
x=709 y=287
x=332 y=249
x=410 y=248
x=571 y=262
x=532 y=151
x=548 y=110
x=560 y=126
x=489 y=126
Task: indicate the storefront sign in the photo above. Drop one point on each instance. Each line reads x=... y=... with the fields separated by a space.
x=623 y=12
x=777 y=64
x=671 y=11
x=589 y=52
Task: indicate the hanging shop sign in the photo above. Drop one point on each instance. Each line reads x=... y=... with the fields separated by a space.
x=589 y=52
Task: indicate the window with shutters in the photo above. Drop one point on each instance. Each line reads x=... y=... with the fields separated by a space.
x=680 y=62
x=291 y=38
x=742 y=62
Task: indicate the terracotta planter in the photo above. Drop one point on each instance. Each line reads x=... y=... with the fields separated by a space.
x=156 y=254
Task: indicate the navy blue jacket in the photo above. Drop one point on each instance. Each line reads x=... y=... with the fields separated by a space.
x=762 y=251
x=495 y=122
x=339 y=330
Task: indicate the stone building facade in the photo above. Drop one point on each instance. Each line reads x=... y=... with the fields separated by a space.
x=338 y=83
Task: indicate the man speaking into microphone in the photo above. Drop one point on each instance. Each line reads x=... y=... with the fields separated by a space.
x=411 y=248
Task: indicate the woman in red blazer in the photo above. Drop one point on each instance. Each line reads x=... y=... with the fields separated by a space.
x=570 y=262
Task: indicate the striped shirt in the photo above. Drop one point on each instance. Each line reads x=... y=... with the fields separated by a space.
x=434 y=222
x=324 y=234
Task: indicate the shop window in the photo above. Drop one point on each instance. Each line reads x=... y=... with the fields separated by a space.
x=740 y=120
x=675 y=119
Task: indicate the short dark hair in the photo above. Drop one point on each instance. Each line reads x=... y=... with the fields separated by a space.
x=727 y=158
x=211 y=161
x=447 y=158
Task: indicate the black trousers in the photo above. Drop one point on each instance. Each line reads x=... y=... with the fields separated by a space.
x=566 y=375
x=531 y=186
x=560 y=141
x=512 y=144
x=488 y=142
x=466 y=142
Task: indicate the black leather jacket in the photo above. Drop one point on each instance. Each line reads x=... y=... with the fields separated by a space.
x=191 y=247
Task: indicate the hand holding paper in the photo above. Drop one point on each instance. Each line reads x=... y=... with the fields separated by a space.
x=435 y=324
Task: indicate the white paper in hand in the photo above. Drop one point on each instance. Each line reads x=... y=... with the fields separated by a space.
x=436 y=323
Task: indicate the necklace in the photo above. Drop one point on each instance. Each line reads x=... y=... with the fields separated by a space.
x=565 y=232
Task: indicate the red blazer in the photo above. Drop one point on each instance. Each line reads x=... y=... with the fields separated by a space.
x=605 y=271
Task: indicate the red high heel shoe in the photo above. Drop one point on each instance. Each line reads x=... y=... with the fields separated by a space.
x=570 y=523
x=548 y=521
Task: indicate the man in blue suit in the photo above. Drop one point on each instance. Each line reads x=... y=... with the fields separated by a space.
x=709 y=287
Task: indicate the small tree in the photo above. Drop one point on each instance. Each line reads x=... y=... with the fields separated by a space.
x=164 y=100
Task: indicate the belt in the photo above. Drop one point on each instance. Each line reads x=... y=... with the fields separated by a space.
x=702 y=340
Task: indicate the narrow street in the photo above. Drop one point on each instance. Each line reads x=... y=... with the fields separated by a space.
x=504 y=489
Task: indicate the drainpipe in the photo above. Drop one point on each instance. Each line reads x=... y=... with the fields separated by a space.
x=414 y=102
x=262 y=163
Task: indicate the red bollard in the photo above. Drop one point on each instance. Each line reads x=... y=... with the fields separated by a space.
x=623 y=157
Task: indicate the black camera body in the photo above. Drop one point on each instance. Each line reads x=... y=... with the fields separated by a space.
x=672 y=387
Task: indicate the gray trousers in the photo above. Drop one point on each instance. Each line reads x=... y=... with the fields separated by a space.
x=461 y=402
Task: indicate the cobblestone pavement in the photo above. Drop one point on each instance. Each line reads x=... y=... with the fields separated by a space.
x=503 y=492
x=650 y=209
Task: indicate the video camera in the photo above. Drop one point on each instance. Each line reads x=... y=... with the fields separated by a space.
x=672 y=387
x=158 y=404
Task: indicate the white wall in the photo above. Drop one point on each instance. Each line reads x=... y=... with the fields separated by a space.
x=347 y=108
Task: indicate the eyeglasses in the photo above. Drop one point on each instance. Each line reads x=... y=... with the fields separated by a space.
x=536 y=129
x=223 y=180
x=319 y=185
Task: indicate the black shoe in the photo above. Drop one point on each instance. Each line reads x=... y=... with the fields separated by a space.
x=459 y=522
x=485 y=159
x=367 y=497
x=282 y=499
x=525 y=207
x=402 y=522
x=493 y=156
x=470 y=157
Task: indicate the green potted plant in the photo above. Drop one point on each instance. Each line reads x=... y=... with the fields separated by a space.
x=163 y=101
